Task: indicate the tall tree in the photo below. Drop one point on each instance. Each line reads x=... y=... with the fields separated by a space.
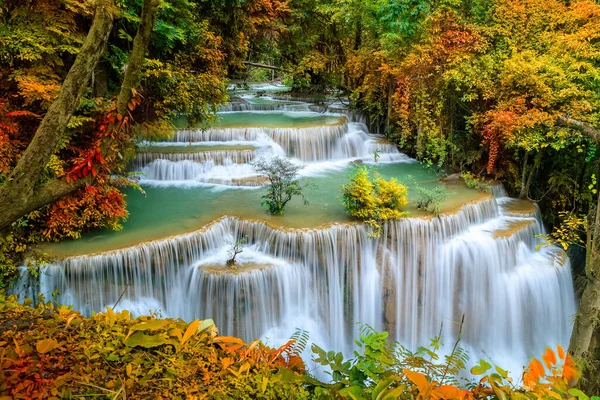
x=22 y=192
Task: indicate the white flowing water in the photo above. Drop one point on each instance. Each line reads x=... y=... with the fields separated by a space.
x=419 y=278
x=319 y=148
x=263 y=103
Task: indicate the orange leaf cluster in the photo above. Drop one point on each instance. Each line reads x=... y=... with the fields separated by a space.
x=91 y=207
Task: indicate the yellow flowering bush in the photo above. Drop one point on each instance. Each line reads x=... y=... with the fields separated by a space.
x=374 y=200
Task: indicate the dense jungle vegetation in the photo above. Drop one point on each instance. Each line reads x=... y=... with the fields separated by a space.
x=503 y=89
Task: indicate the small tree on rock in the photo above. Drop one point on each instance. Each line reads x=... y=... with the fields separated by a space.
x=284 y=183
x=236 y=249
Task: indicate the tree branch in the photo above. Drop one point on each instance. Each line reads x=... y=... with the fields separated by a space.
x=581 y=126
x=17 y=196
x=266 y=66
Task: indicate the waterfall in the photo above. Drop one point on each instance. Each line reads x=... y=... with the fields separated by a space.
x=218 y=157
x=310 y=144
x=321 y=143
x=273 y=105
x=351 y=115
x=417 y=280
x=419 y=276
x=165 y=170
x=319 y=148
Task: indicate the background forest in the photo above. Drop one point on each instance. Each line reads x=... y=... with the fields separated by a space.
x=508 y=90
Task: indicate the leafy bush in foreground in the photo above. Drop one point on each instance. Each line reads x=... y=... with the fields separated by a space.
x=54 y=352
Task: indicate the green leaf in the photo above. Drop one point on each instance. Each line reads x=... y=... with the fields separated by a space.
x=579 y=394
x=380 y=388
x=206 y=324
x=147 y=341
x=392 y=394
x=150 y=325
x=352 y=392
x=481 y=368
x=501 y=372
x=46 y=345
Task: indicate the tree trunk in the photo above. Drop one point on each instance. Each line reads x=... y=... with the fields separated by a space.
x=138 y=53
x=19 y=188
x=390 y=103
x=100 y=79
x=358 y=36
x=586 y=320
x=17 y=196
x=528 y=174
x=524 y=175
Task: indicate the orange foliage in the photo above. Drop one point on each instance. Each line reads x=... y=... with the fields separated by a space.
x=418 y=105
x=561 y=374
x=12 y=140
x=506 y=124
x=257 y=354
x=266 y=16
x=91 y=207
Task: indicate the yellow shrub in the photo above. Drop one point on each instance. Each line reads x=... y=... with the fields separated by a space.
x=374 y=200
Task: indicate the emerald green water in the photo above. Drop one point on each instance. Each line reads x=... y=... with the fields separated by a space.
x=167 y=211
x=275 y=119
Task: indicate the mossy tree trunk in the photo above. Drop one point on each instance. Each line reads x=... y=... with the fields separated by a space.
x=22 y=193
x=529 y=172
x=587 y=320
x=588 y=314
x=133 y=72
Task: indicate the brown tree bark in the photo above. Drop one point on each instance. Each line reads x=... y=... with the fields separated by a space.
x=587 y=319
x=19 y=188
x=133 y=72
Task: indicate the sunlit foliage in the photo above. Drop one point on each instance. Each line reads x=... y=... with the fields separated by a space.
x=51 y=351
x=374 y=200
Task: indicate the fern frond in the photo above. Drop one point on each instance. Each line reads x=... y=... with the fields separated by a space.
x=300 y=341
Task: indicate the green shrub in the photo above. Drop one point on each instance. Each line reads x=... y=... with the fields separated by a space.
x=475 y=182
x=431 y=200
x=283 y=183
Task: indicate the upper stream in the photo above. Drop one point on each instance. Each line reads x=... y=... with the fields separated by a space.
x=316 y=268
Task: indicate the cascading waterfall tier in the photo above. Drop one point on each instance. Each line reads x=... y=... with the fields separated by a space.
x=308 y=144
x=419 y=276
x=217 y=157
x=351 y=115
x=321 y=147
x=201 y=166
x=270 y=106
x=322 y=143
